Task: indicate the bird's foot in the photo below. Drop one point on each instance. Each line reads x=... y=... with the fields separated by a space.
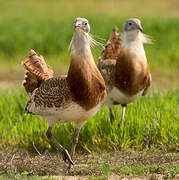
x=66 y=157
x=69 y=166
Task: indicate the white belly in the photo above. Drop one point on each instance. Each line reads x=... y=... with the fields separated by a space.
x=117 y=96
x=72 y=112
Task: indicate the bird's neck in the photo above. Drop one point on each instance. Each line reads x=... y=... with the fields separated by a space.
x=81 y=55
x=133 y=43
x=80 y=44
x=84 y=79
x=132 y=37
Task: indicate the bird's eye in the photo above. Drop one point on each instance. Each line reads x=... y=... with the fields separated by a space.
x=130 y=24
x=86 y=23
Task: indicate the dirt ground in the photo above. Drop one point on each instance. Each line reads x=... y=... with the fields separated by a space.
x=50 y=164
x=159 y=80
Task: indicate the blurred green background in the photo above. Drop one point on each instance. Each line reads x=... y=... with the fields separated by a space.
x=46 y=27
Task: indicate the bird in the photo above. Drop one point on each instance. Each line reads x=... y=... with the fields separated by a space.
x=75 y=97
x=124 y=66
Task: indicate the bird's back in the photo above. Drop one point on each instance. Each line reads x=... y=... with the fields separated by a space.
x=107 y=60
x=107 y=70
x=53 y=92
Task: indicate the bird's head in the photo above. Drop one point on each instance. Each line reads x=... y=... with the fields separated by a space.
x=134 y=31
x=81 y=25
x=133 y=25
x=82 y=39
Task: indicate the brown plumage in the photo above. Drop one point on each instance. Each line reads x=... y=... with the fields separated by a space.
x=108 y=69
x=125 y=69
x=53 y=92
x=87 y=88
x=107 y=60
x=127 y=76
x=112 y=49
x=37 y=71
x=75 y=97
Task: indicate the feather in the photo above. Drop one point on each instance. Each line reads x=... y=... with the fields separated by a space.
x=146 y=39
x=37 y=71
x=112 y=49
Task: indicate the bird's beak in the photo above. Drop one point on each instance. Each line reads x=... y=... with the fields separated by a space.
x=139 y=27
x=77 y=25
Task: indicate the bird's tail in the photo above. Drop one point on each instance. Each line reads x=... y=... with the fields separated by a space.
x=112 y=48
x=37 y=71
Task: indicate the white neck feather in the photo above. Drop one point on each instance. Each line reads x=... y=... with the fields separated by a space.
x=133 y=41
x=131 y=37
x=80 y=44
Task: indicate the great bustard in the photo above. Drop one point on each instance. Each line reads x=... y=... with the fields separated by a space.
x=125 y=68
x=75 y=97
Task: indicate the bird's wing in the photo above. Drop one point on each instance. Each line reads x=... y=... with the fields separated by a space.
x=107 y=69
x=112 y=48
x=107 y=60
x=53 y=92
x=148 y=84
x=37 y=71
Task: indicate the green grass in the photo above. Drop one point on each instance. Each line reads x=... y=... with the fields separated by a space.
x=58 y=9
x=47 y=28
x=51 y=38
x=152 y=121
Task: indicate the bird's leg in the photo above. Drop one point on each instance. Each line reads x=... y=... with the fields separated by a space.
x=123 y=114
x=75 y=137
x=75 y=140
x=65 y=154
x=111 y=114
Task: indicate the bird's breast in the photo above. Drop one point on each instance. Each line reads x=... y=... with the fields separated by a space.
x=115 y=95
x=72 y=112
x=130 y=73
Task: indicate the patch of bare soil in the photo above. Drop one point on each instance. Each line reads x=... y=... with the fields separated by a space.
x=51 y=164
x=161 y=81
x=10 y=79
x=164 y=81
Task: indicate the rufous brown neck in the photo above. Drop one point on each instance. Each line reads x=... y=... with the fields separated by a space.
x=85 y=81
